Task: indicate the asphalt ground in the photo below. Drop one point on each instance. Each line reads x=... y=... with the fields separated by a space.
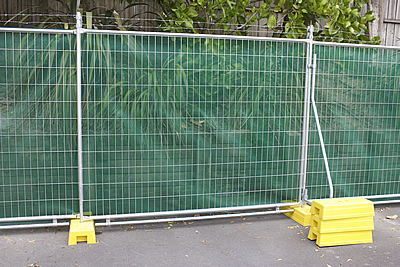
x=270 y=240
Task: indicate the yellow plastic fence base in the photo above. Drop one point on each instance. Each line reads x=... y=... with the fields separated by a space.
x=345 y=221
x=81 y=232
x=344 y=225
x=300 y=214
x=342 y=208
x=343 y=238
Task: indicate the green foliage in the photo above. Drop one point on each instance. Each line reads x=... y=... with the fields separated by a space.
x=335 y=20
x=41 y=63
x=202 y=16
x=174 y=85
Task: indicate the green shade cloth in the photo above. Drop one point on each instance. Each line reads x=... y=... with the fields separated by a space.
x=182 y=123
x=358 y=100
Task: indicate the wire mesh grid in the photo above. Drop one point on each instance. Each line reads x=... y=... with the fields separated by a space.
x=182 y=123
x=178 y=123
x=358 y=96
x=37 y=125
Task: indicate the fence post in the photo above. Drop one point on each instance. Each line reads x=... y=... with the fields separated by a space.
x=79 y=110
x=306 y=115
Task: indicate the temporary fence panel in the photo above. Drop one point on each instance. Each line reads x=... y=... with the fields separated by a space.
x=38 y=163
x=357 y=94
x=185 y=123
x=189 y=122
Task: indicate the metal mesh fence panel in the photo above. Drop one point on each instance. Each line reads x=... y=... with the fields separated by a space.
x=178 y=123
x=37 y=125
x=358 y=99
x=173 y=123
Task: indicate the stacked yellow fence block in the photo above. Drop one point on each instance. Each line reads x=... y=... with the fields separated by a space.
x=341 y=221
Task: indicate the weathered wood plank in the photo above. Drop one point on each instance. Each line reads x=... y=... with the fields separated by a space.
x=396 y=36
x=389 y=28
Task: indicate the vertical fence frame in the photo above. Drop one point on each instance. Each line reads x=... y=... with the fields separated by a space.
x=330 y=183
x=79 y=109
x=306 y=116
x=208 y=210
x=47 y=220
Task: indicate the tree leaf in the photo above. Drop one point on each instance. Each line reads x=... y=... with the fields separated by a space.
x=192 y=12
x=188 y=24
x=369 y=17
x=271 y=21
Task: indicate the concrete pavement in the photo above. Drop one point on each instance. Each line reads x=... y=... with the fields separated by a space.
x=271 y=240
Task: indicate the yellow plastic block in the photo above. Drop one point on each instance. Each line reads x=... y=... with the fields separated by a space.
x=343 y=225
x=300 y=214
x=343 y=238
x=81 y=232
x=342 y=208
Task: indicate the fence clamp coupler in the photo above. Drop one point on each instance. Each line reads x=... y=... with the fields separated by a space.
x=312 y=66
